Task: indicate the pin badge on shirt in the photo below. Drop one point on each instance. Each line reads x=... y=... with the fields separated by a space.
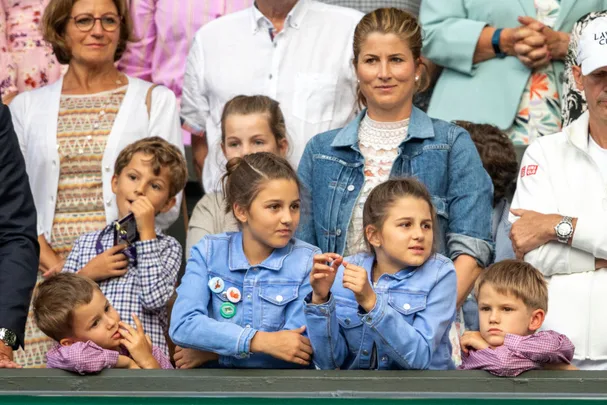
x=234 y=295
x=216 y=285
x=227 y=310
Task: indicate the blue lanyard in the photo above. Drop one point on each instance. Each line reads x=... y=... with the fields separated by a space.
x=129 y=251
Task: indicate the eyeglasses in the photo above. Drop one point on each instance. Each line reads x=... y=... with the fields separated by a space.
x=86 y=22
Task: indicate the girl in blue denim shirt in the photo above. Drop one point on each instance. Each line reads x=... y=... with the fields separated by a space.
x=391 y=308
x=241 y=298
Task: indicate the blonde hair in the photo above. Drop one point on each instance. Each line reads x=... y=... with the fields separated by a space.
x=390 y=21
x=55 y=19
x=164 y=154
x=55 y=300
x=518 y=278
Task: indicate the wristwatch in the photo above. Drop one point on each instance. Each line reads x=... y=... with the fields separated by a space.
x=564 y=229
x=9 y=338
x=495 y=41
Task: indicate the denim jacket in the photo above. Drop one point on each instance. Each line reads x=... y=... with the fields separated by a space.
x=441 y=155
x=407 y=329
x=272 y=299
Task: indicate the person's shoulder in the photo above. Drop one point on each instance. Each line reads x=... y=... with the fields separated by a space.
x=440 y=264
x=300 y=245
x=230 y=21
x=332 y=11
x=324 y=139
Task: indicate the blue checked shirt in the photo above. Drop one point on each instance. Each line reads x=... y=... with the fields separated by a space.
x=272 y=299
x=146 y=288
x=412 y=6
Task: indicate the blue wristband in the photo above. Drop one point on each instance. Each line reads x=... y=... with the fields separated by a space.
x=495 y=41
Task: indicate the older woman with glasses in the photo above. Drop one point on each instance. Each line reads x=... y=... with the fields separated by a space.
x=72 y=131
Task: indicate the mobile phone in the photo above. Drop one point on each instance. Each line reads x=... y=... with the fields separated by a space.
x=125 y=231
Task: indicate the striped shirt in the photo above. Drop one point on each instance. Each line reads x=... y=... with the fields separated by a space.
x=166 y=29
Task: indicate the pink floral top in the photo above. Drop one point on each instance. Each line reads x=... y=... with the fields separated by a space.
x=26 y=60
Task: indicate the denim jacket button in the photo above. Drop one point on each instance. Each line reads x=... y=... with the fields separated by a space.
x=323 y=311
x=384 y=359
x=406 y=307
x=351 y=187
x=365 y=352
x=347 y=321
x=338 y=232
x=279 y=298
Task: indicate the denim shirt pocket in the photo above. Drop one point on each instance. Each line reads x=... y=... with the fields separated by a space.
x=274 y=300
x=442 y=216
x=351 y=323
x=407 y=303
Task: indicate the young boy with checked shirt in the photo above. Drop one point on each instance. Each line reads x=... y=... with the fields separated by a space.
x=72 y=310
x=512 y=301
x=140 y=279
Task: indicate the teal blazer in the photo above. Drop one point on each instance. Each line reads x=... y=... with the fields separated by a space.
x=490 y=91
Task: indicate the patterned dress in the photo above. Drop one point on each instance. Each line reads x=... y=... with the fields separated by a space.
x=539 y=111
x=26 y=60
x=83 y=125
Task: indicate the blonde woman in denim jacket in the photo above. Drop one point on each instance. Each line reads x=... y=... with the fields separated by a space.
x=391 y=138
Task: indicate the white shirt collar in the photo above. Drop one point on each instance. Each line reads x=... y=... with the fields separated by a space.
x=294 y=18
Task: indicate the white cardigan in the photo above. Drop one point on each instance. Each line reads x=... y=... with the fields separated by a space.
x=560 y=177
x=35 y=119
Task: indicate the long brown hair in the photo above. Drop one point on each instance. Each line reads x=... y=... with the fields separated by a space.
x=390 y=21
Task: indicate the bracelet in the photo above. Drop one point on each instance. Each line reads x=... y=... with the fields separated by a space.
x=495 y=41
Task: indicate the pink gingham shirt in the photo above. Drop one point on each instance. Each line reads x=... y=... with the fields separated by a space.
x=166 y=29
x=87 y=357
x=521 y=353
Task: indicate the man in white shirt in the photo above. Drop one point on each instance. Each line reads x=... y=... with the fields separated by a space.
x=299 y=52
x=561 y=205
x=412 y=6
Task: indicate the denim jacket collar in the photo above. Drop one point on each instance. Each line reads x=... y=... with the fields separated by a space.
x=238 y=261
x=367 y=260
x=420 y=127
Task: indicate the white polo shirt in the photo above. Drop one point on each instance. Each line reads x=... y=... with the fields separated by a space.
x=307 y=67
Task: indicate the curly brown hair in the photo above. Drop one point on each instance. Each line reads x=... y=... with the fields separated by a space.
x=498 y=157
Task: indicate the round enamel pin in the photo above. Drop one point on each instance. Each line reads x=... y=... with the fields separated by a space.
x=227 y=310
x=234 y=295
x=216 y=285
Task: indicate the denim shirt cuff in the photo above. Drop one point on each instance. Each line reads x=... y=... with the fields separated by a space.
x=244 y=343
x=322 y=310
x=372 y=317
x=481 y=250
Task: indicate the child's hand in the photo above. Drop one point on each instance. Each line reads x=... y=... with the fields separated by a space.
x=145 y=216
x=126 y=362
x=192 y=358
x=56 y=269
x=138 y=344
x=323 y=276
x=288 y=345
x=108 y=264
x=357 y=281
x=472 y=340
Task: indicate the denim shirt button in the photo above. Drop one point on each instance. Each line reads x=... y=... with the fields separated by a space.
x=406 y=307
x=347 y=321
x=351 y=187
x=365 y=352
x=338 y=232
x=323 y=311
x=247 y=326
x=384 y=359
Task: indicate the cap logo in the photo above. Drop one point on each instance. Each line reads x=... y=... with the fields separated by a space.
x=601 y=37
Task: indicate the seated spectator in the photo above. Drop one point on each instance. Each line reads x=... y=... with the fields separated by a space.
x=27 y=60
x=390 y=308
x=512 y=301
x=165 y=30
x=89 y=333
x=71 y=131
x=574 y=101
x=140 y=278
x=391 y=138
x=249 y=124
x=561 y=205
x=241 y=298
x=18 y=242
x=294 y=51
x=513 y=62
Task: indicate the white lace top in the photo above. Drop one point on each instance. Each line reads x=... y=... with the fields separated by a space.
x=378 y=143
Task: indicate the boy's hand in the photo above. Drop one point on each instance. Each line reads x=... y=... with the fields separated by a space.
x=288 y=345
x=138 y=344
x=357 y=281
x=126 y=362
x=145 y=216
x=323 y=276
x=108 y=264
x=192 y=358
x=472 y=340
x=56 y=269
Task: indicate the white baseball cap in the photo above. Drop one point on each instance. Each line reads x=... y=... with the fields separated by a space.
x=592 y=48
